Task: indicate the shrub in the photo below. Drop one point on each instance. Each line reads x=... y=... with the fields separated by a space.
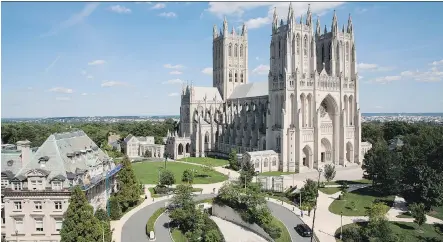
x=352 y=234
x=272 y=229
x=115 y=208
x=159 y=189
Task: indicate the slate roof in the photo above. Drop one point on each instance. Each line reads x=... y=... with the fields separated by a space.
x=261 y=152
x=11 y=162
x=56 y=149
x=200 y=93
x=254 y=89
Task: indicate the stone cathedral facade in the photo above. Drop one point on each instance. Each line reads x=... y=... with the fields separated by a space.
x=306 y=115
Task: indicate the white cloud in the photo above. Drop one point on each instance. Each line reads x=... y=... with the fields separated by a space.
x=372 y=67
x=237 y=9
x=257 y=58
x=176 y=72
x=173 y=81
x=207 y=71
x=119 y=9
x=261 y=70
x=63 y=98
x=97 y=62
x=113 y=84
x=437 y=63
x=168 y=15
x=169 y=66
x=61 y=90
x=174 y=94
x=84 y=94
x=74 y=19
x=159 y=6
x=52 y=64
x=89 y=77
x=433 y=74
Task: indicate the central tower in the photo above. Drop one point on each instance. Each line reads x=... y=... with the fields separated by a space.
x=229 y=59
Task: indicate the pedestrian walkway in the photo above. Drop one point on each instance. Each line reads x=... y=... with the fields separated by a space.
x=233 y=232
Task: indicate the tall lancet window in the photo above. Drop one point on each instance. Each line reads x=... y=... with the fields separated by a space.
x=241 y=50
x=230 y=76
x=330 y=51
x=347 y=50
x=323 y=53
x=353 y=54
x=293 y=46
x=230 y=50
x=236 y=50
x=298 y=44
x=312 y=48
x=305 y=45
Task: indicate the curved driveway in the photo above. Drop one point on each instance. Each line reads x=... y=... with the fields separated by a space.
x=134 y=230
x=135 y=227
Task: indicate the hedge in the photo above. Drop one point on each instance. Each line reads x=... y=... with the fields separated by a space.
x=151 y=221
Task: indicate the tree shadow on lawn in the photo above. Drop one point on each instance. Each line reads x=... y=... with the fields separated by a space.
x=341 y=182
x=371 y=192
x=403 y=226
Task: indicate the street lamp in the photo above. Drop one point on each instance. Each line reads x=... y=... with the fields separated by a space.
x=320 y=170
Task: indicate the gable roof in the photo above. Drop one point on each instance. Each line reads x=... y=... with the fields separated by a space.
x=254 y=89
x=208 y=93
x=56 y=150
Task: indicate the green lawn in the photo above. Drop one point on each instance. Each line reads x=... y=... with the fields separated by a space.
x=206 y=161
x=147 y=172
x=437 y=212
x=330 y=190
x=408 y=231
x=178 y=236
x=276 y=173
x=340 y=182
x=363 y=198
x=285 y=236
x=154 y=195
x=404 y=215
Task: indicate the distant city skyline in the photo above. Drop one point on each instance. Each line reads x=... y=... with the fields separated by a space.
x=63 y=59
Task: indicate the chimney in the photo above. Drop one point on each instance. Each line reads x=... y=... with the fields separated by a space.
x=25 y=148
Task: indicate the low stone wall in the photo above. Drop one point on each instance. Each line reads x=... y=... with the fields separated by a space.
x=229 y=214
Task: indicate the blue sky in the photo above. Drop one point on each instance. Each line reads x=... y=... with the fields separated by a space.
x=130 y=58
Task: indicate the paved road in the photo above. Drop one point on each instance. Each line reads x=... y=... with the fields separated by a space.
x=289 y=219
x=134 y=230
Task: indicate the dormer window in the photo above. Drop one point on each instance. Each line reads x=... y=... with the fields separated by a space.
x=17 y=186
x=42 y=161
x=57 y=185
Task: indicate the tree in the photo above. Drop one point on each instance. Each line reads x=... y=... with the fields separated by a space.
x=344 y=189
x=129 y=189
x=247 y=173
x=166 y=178
x=233 y=162
x=188 y=176
x=329 y=172
x=377 y=211
x=419 y=213
x=102 y=216
x=147 y=154
x=114 y=208
x=79 y=222
x=212 y=236
x=309 y=194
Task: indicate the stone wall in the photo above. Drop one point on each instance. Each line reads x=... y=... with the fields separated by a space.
x=229 y=214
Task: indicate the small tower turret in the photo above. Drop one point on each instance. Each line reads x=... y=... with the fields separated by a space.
x=301 y=19
x=275 y=21
x=290 y=14
x=233 y=31
x=225 y=27
x=318 y=32
x=334 y=26
x=309 y=16
x=244 y=31
x=214 y=32
x=350 y=27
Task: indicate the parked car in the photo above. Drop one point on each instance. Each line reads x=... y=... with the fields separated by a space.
x=303 y=230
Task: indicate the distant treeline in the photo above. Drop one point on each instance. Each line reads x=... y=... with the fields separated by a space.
x=37 y=133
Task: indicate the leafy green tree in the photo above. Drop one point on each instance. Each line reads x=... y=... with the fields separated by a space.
x=114 y=208
x=212 y=236
x=247 y=173
x=79 y=223
x=188 y=176
x=129 y=189
x=379 y=231
x=166 y=178
x=233 y=162
x=329 y=172
x=309 y=194
x=377 y=211
x=419 y=213
x=102 y=216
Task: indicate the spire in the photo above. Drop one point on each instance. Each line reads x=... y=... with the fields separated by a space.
x=274 y=21
x=214 y=32
x=309 y=16
x=301 y=19
x=334 y=27
x=290 y=13
x=343 y=29
x=326 y=29
x=244 y=31
x=225 y=27
x=318 y=32
x=350 y=27
x=233 y=31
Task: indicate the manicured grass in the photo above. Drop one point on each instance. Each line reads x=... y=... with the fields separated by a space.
x=354 y=182
x=437 y=212
x=330 y=190
x=151 y=221
x=208 y=200
x=280 y=196
x=147 y=172
x=404 y=215
x=285 y=236
x=409 y=232
x=154 y=195
x=276 y=173
x=178 y=236
x=206 y=161
x=363 y=199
